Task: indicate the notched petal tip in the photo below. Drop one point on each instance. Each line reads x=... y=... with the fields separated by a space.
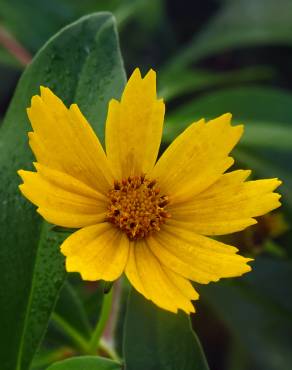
x=266 y=185
x=247 y=173
x=20 y=172
x=135 y=74
x=246 y=261
x=223 y=118
x=192 y=311
x=151 y=71
x=42 y=89
x=253 y=221
x=240 y=128
x=278 y=182
x=226 y=119
x=36 y=165
x=200 y=122
x=40 y=212
x=65 y=250
x=227 y=116
x=36 y=99
x=112 y=103
x=248 y=268
x=150 y=77
x=74 y=108
x=46 y=91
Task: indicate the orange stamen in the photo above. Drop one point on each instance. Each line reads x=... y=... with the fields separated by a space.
x=137 y=207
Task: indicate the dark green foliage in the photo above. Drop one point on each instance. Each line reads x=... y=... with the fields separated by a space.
x=215 y=57
x=86 y=363
x=156 y=339
x=80 y=64
x=257 y=310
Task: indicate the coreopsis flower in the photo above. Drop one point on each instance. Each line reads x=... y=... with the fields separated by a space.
x=151 y=219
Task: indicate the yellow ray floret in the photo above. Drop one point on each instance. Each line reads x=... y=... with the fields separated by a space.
x=62 y=199
x=146 y=218
x=229 y=205
x=197 y=158
x=164 y=287
x=97 y=251
x=63 y=140
x=134 y=127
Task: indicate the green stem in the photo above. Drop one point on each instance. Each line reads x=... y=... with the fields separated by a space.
x=97 y=333
x=45 y=359
x=108 y=350
x=76 y=337
x=14 y=47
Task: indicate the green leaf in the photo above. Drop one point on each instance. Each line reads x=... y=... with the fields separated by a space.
x=48 y=17
x=157 y=339
x=266 y=143
x=257 y=309
x=268 y=123
x=272 y=106
x=82 y=63
x=191 y=81
x=69 y=309
x=239 y=23
x=86 y=363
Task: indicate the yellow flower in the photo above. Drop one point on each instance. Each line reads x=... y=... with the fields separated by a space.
x=150 y=219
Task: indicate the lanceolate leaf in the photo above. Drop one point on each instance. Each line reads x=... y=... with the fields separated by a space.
x=273 y=106
x=156 y=339
x=46 y=17
x=86 y=363
x=257 y=309
x=239 y=23
x=81 y=64
x=191 y=81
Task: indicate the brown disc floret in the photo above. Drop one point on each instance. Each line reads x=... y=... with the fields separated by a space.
x=137 y=207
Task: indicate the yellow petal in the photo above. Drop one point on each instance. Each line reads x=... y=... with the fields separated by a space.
x=165 y=288
x=197 y=158
x=62 y=199
x=227 y=206
x=63 y=140
x=132 y=272
x=69 y=183
x=98 y=252
x=134 y=127
x=69 y=219
x=196 y=257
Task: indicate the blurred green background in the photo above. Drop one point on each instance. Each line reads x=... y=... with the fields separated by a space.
x=212 y=57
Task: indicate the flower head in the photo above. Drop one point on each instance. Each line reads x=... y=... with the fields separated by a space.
x=150 y=219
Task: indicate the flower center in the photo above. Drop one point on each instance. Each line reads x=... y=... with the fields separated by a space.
x=137 y=207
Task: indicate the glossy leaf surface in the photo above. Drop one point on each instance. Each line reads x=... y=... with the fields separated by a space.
x=157 y=339
x=80 y=64
x=86 y=363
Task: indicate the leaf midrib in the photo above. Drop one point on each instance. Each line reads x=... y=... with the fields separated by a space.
x=26 y=319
